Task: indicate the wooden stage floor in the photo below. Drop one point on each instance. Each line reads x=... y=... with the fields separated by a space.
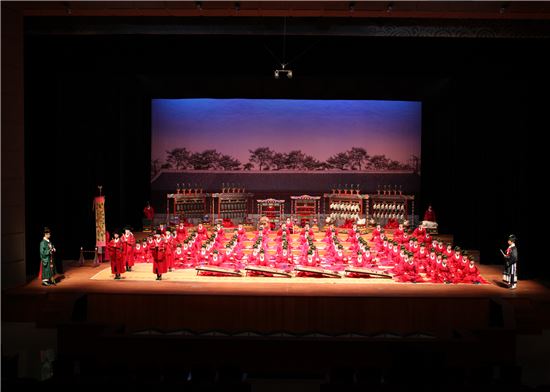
x=298 y=305
x=89 y=279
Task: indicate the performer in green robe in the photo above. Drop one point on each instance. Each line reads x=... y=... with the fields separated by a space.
x=47 y=267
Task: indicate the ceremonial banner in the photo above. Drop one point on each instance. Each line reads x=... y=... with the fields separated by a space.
x=99 y=207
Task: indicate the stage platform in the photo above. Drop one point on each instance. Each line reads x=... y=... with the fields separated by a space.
x=311 y=323
x=93 y=279
x=183 y=300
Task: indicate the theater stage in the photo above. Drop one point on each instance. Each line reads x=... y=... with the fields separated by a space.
x=127 y=320
x=143 y=272
x=98 y=279
x=272 y=304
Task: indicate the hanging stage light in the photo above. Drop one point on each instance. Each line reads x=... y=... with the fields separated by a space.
x=278 y=72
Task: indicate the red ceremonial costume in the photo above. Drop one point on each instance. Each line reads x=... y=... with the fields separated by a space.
x=159 y=256
x=128 y=243
x=149 y=213
x=429 y=215
x=116 y=255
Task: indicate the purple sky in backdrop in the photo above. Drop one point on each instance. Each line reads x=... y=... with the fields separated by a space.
x=320 y=128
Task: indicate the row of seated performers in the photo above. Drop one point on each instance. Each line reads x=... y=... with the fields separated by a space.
x=415 y=257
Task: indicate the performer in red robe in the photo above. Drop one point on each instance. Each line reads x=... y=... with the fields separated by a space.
x=148 y=217
x=330 y=231
x=158 y=252
x=189 y=251
x=169 y=249
x=265 y=229
x=128 y=245
x=376 y=233
x=407 y=270
x=420 y=233
x=339 y=261
x=228 y=259
x=460 y=268
x=471 y=274
x=216 y=260
x=284 y=260
x=368 y=258
x=457 y=257
x=219 y=229
x=429 y=215
x=415 y=248
x=306 y=231
x=261 y=259
x=448 y=251
x=359 y=261
x=422 y=252
x=382 y=248
x=241 y=232
x=398 y=233
x=352 y=231
x=240 y=258
x=150 y=244
x=202 y=234
x=427 y=238
x=162 y=228
x=434 y=271
x=180 y=256
x=283 y=229
x=444 y=272
x=202 y=258
x=394 y=255
x=402 y=252
x=149 y=212
x=115 y=254
x=429 y=263
x=253 y=257
x=138 y=252
x=308 y=260
x=145 y=252
x=440 y=247
x=181 y=233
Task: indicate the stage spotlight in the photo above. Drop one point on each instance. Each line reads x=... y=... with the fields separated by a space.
x=278 y=72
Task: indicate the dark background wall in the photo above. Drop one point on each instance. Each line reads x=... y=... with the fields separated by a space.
x=87 y=120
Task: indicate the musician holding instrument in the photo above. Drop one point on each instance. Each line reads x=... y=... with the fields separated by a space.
x=47 y=266
x=510 y=263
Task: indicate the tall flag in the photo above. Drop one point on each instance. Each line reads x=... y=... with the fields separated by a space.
x=99 y=207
